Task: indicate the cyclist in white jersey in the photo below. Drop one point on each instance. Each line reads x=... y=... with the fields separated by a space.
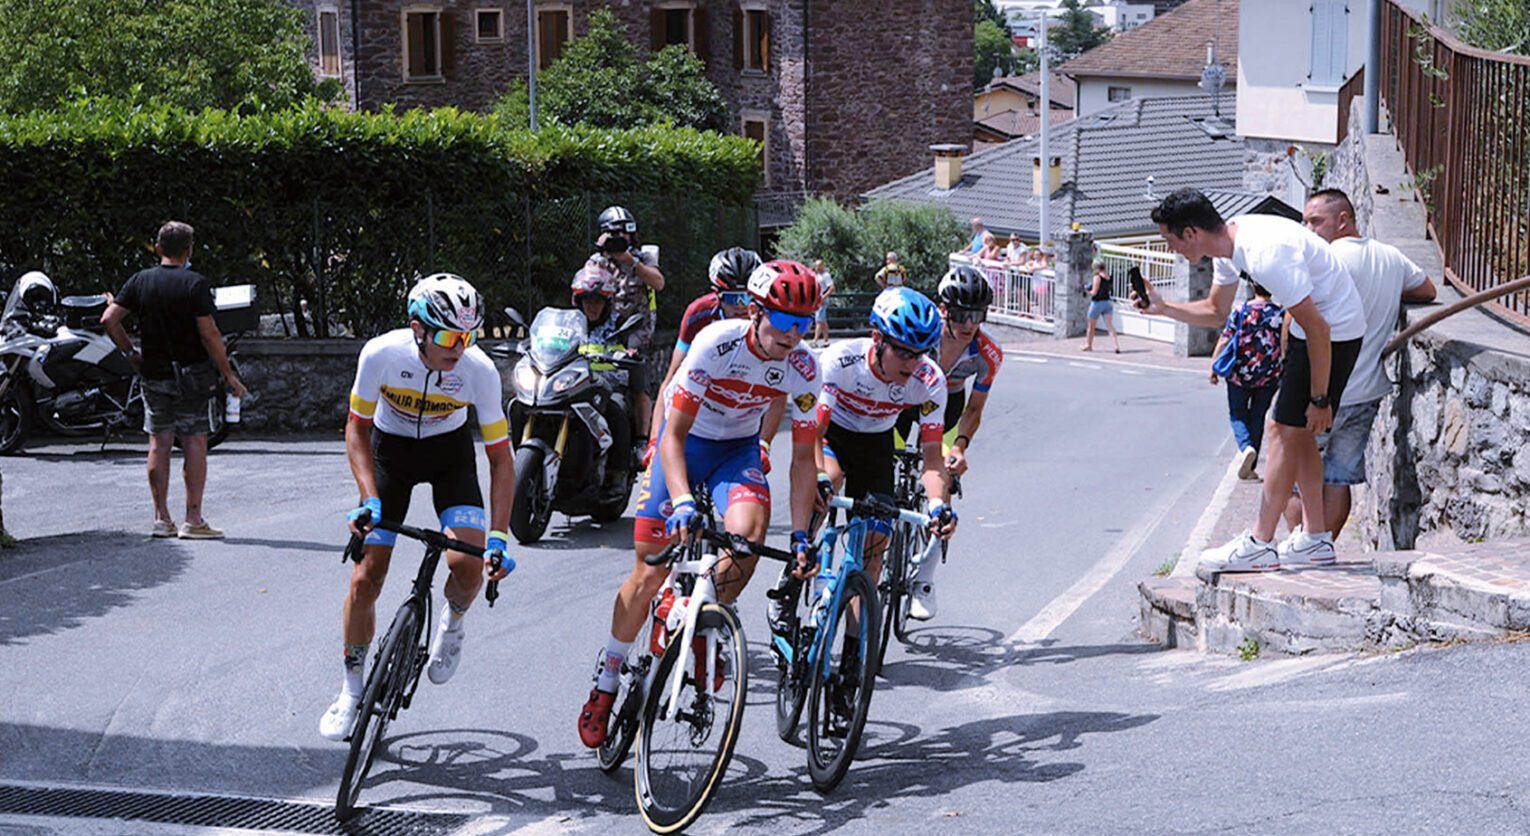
x=867 y=383
x=408 y=425
x=733 y=372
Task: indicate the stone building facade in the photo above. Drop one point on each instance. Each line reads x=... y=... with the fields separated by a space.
x=843 y=100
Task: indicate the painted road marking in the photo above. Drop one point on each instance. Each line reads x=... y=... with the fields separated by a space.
x=1201 y=535
x=1065 y=605
x=1079 y=365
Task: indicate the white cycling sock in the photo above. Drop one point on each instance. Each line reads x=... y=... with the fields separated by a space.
x=451 y=619
x=355 y=660
x=611 y=665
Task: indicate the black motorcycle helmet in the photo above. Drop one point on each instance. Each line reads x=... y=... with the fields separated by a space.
x=964 y=287
x=730 y=269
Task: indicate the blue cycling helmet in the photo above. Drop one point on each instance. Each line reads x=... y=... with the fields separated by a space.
x=907 y=316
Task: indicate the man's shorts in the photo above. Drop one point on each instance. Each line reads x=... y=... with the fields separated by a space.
x=447 y=462
x=731 y=471
x=1296 y=379
x=1344 y=454
x=166 y=411
x=822 y=314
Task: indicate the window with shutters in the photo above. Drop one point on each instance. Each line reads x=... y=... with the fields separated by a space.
x=422 y=45
x=329 y=42
x=1330 y=42
x=1118 y=94
x=554 y=31
x=756 y=126
x=751 y=37
x=673 y=22
x=489 y=25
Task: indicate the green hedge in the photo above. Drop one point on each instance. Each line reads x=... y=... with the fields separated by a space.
x=339 y=211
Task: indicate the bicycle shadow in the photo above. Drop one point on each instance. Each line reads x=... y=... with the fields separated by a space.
x=944 y=658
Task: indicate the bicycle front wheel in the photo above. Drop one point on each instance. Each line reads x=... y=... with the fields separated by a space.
x=840 y=696
x=899 y=616
x=380 y=698
x=688 y=732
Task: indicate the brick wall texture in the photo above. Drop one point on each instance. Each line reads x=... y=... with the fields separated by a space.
x=854 y=95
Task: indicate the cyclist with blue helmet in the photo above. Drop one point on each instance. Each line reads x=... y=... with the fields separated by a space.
x=867 y=382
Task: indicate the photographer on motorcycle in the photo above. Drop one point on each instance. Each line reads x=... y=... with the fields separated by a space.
x=637 y=280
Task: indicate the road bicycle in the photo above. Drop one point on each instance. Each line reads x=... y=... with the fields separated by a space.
x=400 y=657
x=692 y=700
x=908 y=548
x=824 y=659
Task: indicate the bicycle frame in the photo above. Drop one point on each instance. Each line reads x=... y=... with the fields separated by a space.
x=702 y=593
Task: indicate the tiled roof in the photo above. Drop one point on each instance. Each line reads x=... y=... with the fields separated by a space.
x=1061 y=90
x=1013 y=124
x=1106 y=160
x=1171 y=46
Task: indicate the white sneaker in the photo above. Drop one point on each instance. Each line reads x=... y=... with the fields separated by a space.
x=1246 y=459
x=445 y=652
x=921 y=605
x=1302 y=548
x=1241 y=554
x=338 y=719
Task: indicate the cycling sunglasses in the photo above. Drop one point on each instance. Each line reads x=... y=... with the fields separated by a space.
x=962 y=316
x=902 y=351
x=451 y=339
x=734 y=298
x=784 y=322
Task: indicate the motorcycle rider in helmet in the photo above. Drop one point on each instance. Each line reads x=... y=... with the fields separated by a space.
x=592 y=290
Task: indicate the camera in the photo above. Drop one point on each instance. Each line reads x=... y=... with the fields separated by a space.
x=616 y=244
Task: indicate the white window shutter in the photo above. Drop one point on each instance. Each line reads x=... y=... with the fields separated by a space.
x=1330 y=41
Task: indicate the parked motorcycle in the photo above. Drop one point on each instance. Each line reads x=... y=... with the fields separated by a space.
x=571 y=422
x=63 y=374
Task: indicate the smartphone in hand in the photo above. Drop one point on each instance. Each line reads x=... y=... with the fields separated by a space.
x=1139 y=287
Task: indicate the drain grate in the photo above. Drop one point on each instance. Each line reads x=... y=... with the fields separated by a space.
x=219 y=811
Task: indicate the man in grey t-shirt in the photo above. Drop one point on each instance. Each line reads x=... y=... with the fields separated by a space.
x=638 y=279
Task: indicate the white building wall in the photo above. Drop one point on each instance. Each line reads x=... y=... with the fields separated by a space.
x=1093 y=92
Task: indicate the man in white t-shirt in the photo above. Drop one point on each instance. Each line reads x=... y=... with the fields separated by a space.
x=1327 y=325
x=1384 y=278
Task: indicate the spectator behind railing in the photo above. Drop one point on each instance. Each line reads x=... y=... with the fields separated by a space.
x=991 y=250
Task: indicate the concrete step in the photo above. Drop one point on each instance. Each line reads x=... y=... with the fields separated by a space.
x=1168 y=611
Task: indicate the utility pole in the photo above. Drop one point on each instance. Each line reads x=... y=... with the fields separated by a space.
x=1046 y=159
x=531 y=59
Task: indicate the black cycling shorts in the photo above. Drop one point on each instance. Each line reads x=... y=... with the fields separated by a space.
x=447 y=462
x=956 y=403
x=865 y=458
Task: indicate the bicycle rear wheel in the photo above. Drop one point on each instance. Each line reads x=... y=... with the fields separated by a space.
x=840 y=699
x=380 y=698
x=899 y=618
x=681 y=758
x=892 y=589
x=628 y=707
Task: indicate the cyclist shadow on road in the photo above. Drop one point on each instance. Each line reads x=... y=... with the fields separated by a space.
x=943 y=658
x=897 y=761
x=68 y=579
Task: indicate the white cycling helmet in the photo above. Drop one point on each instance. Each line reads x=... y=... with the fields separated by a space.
x=446 y=302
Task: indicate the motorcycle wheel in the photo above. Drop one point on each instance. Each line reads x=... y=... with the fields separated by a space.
x=529 y=514
x=15 y=419
x=612 y=510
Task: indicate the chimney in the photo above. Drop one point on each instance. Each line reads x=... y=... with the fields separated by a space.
x=1053 y=176
x=948 y=165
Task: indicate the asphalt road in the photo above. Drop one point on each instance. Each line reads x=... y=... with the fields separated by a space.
x=1026 y=705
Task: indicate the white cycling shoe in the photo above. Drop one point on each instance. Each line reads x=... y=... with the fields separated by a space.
x=340 y=717
x=921 y=605
x=445 y=653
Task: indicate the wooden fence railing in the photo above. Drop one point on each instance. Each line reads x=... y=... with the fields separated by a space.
x=1459 y=114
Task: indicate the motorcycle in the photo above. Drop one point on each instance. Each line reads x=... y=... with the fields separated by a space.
x=69 y=378
x=572 y=421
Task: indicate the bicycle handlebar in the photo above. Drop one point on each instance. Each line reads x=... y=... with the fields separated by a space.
x=737 y=543
x=433 y=539
x=872 y=507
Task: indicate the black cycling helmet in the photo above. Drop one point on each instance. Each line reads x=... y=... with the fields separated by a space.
x=964 y=286
x=730 y=269
x=618 y=220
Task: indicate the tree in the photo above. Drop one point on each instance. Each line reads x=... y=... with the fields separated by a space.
x=601 y=81
x=242 y=55
x=852 y=243
x=1075 y=33
x=985 y=10
x=992 y=50
x=1498 y=25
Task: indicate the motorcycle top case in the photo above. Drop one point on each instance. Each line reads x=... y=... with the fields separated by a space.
x=83 y=312
x=234 y=308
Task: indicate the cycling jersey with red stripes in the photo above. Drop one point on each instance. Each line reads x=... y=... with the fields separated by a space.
x=980 y=360
x=856 y=398
x=727 y=385
x=700 y=313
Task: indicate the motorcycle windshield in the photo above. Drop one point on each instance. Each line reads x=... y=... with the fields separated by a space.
x=556 y=334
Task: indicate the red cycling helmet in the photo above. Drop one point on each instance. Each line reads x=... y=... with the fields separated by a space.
x=786 y=286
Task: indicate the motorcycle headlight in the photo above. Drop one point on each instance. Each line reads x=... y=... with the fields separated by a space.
x=525 y=377
x=568 y=380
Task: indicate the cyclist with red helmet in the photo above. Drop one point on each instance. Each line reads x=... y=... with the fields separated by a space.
x=729 y=275
x=710 y=436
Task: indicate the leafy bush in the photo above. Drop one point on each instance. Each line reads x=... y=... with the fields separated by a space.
x=338 y=212
x=242 y=55
x=601 y=81
x=853 y=243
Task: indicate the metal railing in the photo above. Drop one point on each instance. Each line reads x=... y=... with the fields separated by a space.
x=1459 y=114
x=1153 y=258
x=1017 y=291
